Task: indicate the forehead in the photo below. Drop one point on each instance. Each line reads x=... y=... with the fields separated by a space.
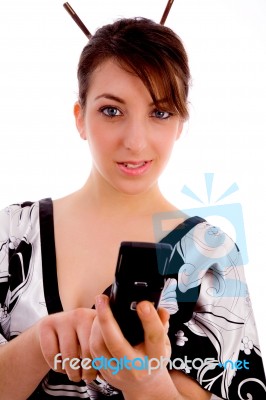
x=110 y=76
x=108 y=68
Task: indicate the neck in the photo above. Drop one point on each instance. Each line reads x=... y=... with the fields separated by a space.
x=98 y=194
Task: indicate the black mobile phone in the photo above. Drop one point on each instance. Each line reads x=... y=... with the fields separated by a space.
x=140 y=275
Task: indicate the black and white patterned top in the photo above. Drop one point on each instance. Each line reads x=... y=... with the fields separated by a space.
x=205 y=293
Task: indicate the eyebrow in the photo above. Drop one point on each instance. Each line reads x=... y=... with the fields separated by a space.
x=110 y=97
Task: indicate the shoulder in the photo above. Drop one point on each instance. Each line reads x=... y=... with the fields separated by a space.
x=15 y=216
x=16 y=210
x=19 y=221
x=197 y=240
x=208 y=242
x=206 y=249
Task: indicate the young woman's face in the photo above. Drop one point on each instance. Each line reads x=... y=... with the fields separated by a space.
x=130 y=139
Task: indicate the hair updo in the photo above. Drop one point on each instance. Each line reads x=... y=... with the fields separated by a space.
x=149 y=50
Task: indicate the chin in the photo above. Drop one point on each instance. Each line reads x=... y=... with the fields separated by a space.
x=134 y=189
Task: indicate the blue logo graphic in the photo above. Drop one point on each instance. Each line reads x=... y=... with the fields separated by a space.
x=230 y=214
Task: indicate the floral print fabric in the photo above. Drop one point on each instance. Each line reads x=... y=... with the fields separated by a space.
x=212 y=328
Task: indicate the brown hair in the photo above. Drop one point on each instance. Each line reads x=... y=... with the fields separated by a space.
x=151 y=51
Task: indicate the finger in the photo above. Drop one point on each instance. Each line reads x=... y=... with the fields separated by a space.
x=113 y=338
x=83 y=332
x=154 y=330
x=88 y=373
x=49 y=344
x=96 y=344
x=70 y=350
x=106 y=364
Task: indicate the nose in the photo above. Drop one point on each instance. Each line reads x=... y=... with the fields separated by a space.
x=135 y=136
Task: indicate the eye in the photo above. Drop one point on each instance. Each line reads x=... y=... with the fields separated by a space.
x=161 y=114
x=110 y=111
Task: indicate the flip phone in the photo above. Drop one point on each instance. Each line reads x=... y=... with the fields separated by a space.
x=140 y=274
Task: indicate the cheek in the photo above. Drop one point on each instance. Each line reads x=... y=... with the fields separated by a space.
x=103 y=134
x=166 y=143
x=102 y=143
x=96 y=134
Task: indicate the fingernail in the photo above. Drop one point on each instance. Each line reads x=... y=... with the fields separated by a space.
x=100 y=302
x=145 y=308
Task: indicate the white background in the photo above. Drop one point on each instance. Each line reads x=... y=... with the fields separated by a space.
x=41 y=154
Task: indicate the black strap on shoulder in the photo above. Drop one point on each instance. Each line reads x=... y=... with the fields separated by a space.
x=50 y=283
x=181 y=230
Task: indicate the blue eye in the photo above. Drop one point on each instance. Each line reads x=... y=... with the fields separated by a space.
x=161 y=114
x=110 y=111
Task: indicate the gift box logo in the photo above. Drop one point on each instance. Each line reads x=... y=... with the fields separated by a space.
x=230 y=215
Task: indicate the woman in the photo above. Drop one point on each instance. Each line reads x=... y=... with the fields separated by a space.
x=57 y=257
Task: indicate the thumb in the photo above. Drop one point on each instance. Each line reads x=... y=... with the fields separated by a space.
x=155 y=337
x=164 y=317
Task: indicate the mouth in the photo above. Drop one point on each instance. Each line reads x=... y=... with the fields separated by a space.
x=133 y=164
x=134 y=168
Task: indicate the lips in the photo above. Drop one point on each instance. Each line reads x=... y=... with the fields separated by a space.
x=134 y=168
x=133 y=164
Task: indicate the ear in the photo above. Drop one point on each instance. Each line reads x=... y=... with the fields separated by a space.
x=179 y=129
x=79 y=118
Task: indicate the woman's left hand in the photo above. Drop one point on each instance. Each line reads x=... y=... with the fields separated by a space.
x=107 y=341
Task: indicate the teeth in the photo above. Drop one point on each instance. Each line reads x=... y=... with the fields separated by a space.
x=128 y=165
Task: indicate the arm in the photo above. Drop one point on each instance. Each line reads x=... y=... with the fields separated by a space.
x=175 y=386
x=22 y=366
x=188 y=388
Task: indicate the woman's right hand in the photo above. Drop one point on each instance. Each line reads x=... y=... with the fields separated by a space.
x=65 y=336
